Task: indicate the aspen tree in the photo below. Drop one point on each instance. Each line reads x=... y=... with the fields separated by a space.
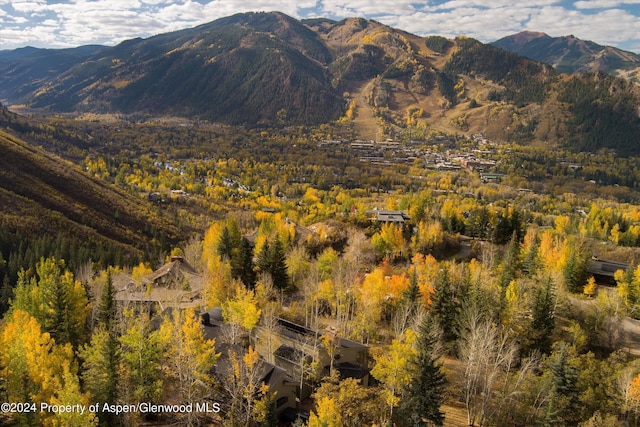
x=189 y=358
x=392 y=368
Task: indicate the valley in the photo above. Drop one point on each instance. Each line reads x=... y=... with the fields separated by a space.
x=282 y=222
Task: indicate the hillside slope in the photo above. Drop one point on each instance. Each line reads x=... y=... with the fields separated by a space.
x=42 y=194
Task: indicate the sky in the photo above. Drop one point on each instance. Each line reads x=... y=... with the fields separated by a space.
x=71 y=23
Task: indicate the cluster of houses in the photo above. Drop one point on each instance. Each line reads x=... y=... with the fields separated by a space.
x=391 y=152
x=293 y=356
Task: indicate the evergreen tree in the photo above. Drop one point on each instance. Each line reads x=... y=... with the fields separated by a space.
x=564 y=398
x=262 y=260
x=55 y=299
x=444 y=306
x=515 y=223
x=510 y=263
x=106 y=308
x=278 y=265
x=530 y=261
x=140 y=369
x=100 y=370
x=574 y=271
x=225 y=245
x=411 y=295
x=543 y=320
x=502 y=231
x=100 y=356
x=272 y=260
x=425 y=393
x=478 y=223
x=242 y=265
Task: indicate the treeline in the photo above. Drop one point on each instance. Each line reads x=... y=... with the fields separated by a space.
x=21 y=253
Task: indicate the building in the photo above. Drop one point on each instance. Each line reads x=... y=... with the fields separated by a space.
x=279 y=381
x=308 y=355
x=382 y=215
x=176 y=284
x=604 y=270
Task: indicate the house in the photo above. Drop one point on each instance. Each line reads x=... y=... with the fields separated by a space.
x=381 y=215
x=491 y=177
x=176 y=284
x=309 y=355
x=279 y=381
x=176 y=274
x=604 y=270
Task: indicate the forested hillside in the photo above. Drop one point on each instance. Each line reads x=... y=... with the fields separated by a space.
x=51 y=207
x=267 y=69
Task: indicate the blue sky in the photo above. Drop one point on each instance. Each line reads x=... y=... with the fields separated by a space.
x=69 y=23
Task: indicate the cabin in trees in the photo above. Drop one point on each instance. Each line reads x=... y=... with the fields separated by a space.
x=385 y=216
x=603 y=270
x=310 y=354
x=276 y=378
x=176 y=284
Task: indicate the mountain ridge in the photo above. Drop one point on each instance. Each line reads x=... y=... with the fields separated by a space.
x=570 y=54
x=268 y=69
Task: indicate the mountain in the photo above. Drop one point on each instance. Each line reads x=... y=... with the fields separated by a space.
x=572 y=55
x=43 y=195
x=24 y=70
x=247 y=68
x=264 y=69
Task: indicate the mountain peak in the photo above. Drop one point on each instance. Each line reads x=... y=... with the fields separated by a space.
x=517 y=41
x=569 y=54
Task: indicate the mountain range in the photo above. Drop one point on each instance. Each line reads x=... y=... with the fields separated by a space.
x=571 y=55
x=268 y=69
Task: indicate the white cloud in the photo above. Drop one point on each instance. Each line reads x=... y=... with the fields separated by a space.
x=603 y=4
x=78 y=22
x=606 y=27
x=29 y=6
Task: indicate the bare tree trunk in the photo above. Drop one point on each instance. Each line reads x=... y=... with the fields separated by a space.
x=487 y=354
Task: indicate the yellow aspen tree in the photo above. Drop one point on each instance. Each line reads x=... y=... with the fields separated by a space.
x=210 y=245
x=217 y=281
x=427 y=270
x=634 y=392
x=392 y=367
x=189 y=357
x=139 y=271
x=370 y=299
x=285 y=230
x=68 y=395
x=511 y=300
x=398 y=283
x=32 y=365
x=326 y=414
x=241 y=312
x=562 y=224
x=242 y=374
x=590 y=288
x=55 y=299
